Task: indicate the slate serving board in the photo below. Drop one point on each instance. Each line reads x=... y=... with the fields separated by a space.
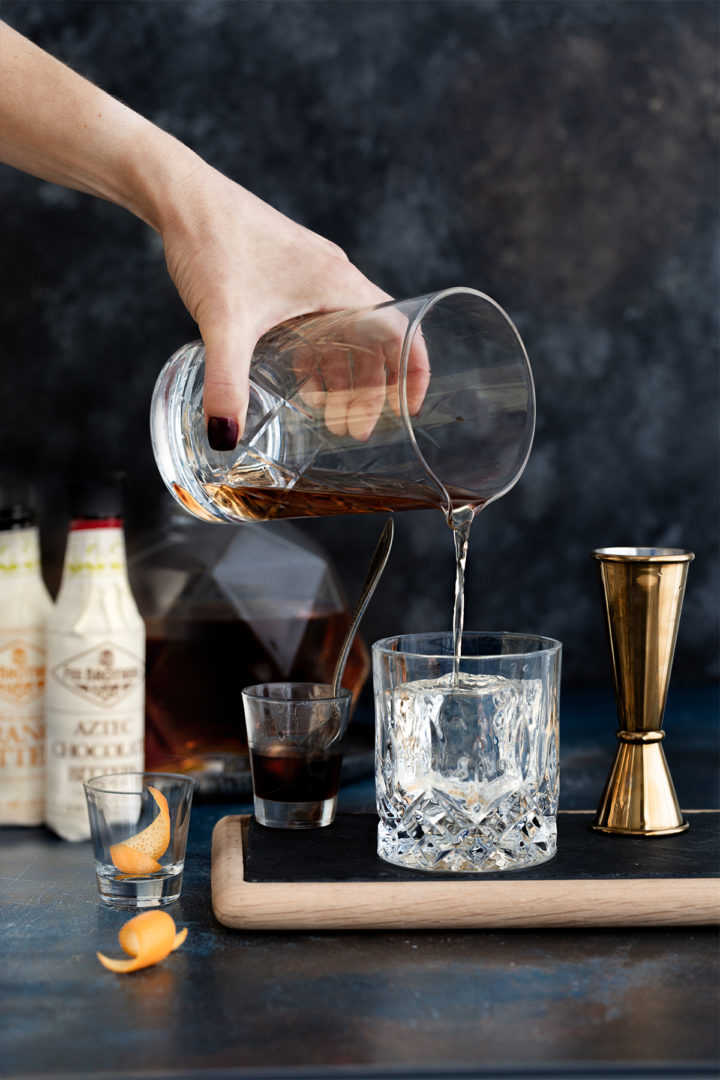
x=332 y=878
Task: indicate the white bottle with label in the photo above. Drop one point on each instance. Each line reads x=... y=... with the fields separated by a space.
x=94 y=706
x=25 y=607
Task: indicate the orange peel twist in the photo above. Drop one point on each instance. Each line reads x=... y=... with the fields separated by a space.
x=147 y=938
x=140 y=853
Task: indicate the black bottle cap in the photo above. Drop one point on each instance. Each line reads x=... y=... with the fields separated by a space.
x=98 y=498
x=17 y=503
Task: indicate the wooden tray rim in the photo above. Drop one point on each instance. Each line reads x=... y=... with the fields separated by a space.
x=424 y=905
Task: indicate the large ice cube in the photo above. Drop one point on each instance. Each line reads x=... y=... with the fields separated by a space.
x=476 y=730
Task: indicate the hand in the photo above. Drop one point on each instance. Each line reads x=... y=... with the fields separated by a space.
x=242 y=268
x=347 y=365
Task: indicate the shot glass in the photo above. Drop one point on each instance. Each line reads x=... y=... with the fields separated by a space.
x=296 y=734
x=138 y=826
x=466 y=755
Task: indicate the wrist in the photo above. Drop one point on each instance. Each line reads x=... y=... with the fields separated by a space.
x=158 y=171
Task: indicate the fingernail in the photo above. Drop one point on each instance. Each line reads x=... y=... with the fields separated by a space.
x=223 y=432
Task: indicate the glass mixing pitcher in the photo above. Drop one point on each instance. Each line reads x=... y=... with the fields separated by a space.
x=427 y=402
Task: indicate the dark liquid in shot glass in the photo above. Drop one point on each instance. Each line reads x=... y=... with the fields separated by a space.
x=286 y=774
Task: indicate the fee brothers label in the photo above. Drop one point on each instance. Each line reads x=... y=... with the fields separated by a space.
x=104 y=675
x=22 y=672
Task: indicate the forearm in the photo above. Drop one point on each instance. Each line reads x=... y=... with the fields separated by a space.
x=59 y=127
x=239 y=265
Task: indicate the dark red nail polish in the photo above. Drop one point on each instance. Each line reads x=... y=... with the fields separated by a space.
x=223 y=432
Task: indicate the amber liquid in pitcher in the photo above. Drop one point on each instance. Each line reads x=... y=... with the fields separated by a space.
x=247 y=502
x=197 y=669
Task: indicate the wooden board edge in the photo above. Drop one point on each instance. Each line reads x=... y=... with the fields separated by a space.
x=419 y=905
x=227 y=864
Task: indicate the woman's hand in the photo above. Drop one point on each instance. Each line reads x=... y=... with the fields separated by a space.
x=242 y=268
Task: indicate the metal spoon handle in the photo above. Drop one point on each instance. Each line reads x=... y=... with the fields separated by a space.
x=375 y=569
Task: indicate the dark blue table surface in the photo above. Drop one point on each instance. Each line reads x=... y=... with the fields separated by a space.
x=354 y=1004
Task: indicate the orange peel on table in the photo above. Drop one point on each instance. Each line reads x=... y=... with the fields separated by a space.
x=147 y=938
x=140 y=853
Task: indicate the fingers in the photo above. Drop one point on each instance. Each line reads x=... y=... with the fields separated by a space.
x=341 y=374
x=417 y=375
x=225 y=394
x=369 y=390
x=348 y=366
x=348 y=393
x=377 y=361
x=338 y=379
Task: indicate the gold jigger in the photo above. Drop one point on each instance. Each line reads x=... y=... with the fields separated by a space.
x=643 y=592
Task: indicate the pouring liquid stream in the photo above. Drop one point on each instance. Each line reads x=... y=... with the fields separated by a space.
x=460 y=522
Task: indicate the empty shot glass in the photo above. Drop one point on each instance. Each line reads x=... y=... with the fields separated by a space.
x=467 y=756
x=296 y=734
x=138 y=826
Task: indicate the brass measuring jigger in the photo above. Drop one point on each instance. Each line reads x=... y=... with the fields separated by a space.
x=643 y=591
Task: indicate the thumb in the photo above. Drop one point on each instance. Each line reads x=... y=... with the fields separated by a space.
x=228 y=352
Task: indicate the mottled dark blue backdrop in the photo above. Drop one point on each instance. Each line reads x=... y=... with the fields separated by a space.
x=559 y=155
